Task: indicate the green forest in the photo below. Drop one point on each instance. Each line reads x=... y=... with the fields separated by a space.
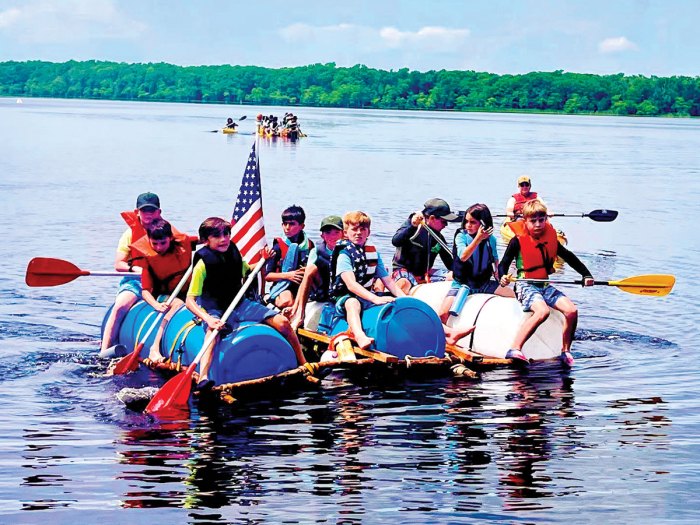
x=326 y=85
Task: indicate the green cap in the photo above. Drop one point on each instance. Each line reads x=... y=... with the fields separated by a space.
x=332 y=220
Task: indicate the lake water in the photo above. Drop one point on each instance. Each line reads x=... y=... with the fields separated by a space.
x=614 y=440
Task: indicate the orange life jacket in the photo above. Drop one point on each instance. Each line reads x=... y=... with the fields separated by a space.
x=520 y=200
x=537 y=256
x=164 y=271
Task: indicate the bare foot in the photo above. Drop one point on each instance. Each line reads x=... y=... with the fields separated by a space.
x=297 y=322
x=363 y=341
x=452 y=335
x=155 y=357
x=287 y=312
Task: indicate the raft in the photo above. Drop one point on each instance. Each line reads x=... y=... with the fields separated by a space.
x=404 y=328
x=229 y=131
x=251 y=351
x=497 y=320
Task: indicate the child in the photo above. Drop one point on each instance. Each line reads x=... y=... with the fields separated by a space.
x=166 y=259
x=536 y=247
x=286 y=268
x=317 y=277
x=416 y=250
x=216 y=279
x=354 y=267
x=475 y=258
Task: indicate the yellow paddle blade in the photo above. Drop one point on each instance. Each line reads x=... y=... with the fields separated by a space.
x=658 y=285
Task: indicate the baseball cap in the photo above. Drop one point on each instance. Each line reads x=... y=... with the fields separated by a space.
x=439 y=208
x=333 y=221
x=523 y=178
x=147 y=200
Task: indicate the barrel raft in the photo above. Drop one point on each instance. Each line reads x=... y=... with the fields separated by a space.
x=251 y=351
x=497 y=320
x=404 y=327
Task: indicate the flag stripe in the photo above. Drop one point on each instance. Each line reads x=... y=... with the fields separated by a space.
x=248 y=226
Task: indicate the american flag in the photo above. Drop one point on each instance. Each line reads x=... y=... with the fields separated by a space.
x=248 y=227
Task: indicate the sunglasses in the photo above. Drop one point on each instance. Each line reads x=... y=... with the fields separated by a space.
x=524 y=184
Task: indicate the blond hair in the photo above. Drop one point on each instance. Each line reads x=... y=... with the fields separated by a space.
x=356 y=218
x=532 y=208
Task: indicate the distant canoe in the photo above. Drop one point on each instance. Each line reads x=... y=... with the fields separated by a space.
x=229 y=131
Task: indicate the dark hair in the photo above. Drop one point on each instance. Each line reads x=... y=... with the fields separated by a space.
x=214 y=226
x=294 y=213
x=159 y=229
x=481 y=213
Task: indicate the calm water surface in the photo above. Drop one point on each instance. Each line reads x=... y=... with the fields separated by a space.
x=614 y=440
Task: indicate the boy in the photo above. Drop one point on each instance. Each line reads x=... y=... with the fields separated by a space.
x=167 y=256
x=286 y=268
x=317 y=277
x=536 y=247
x=216 y=279
x=416 y=254
x=354 y=267
x=147 y=210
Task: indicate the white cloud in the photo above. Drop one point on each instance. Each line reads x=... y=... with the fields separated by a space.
x=49 y=22
x=368 y=38
x=429 y=36
x=616 y=45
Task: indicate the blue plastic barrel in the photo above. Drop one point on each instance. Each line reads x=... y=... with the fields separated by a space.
x=406 y=327
x=250 y=352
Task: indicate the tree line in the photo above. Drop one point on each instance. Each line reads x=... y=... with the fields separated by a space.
x=326 y=85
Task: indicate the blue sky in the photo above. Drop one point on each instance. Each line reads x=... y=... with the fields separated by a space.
x=649 y=37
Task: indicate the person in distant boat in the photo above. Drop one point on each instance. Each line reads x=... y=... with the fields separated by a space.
x=354 y=267
x=475 y=261
x=230 y=124
x=515 y=203
x=167 y=257
x=129 y=261
x=317 y=278
x=285 y=269
x=416 y=249
x=535 y=246
x=217 y=277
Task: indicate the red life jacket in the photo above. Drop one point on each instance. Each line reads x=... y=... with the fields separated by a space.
x=164 y=271
x=537 y=256
x=520 y=200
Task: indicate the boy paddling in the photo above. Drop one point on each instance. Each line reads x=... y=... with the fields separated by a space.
x=355 y=266
x=416 y=250
x=217 y=277
x=167 y=256
x=536 y=247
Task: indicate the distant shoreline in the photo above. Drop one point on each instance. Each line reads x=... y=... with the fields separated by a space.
x=358 y=87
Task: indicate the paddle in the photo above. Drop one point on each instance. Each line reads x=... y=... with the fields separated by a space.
x=46 y=271
x=595 y=215
x=657 y=285
x=217 y=130
x=130 y=362
x=174 y=395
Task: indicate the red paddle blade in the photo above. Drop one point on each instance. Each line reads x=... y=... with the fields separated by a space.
x=128 y=363
x=173 y=396
x=45 y=271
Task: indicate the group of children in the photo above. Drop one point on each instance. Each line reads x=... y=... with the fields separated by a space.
x=271 y=126
x=343 y=267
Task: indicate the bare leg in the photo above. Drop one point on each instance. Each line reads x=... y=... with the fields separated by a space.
x=453 y=335
x=205 y=363
x=404 y=284
x=154 y=352
x=281 y=324
x=568 y=308
x=504 y=291
x=353 y=310
x=444 y=310
x=284 y=300
x=122 y=304
x=311 y=280
x=540 y=313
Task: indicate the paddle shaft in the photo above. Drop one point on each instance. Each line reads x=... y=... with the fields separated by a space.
x=170 y=300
